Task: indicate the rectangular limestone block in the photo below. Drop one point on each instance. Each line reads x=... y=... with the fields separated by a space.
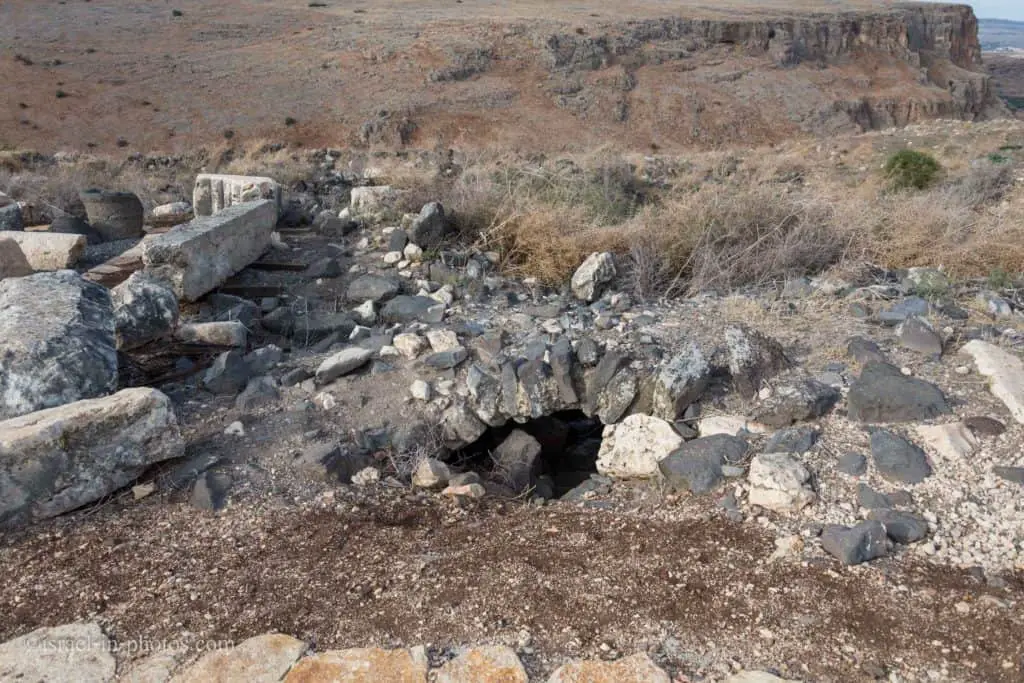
x=215 y=192
x=59 y=459
x=46 y=251
x=199 y=256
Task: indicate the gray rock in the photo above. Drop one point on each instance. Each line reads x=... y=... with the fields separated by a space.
x=901 y=310
x=375 y=288
x=316 y=326
x=802 y=400
x=617 y=396
x=753 y=358
x=865 y=351
x=295 y=376
x=59 y=459
x=444 y=360
x=517 y=461
x=984 y=426
x=539 y=389
x=680 y=382
x=324 y=268
x=883 y=394
x=562 y=357
x=902 y=527
x=13 y=262
x=202 y=254
x=72 y=225
x=595 y=486
x=114 y=215
x=862 y=543
x=997 y=306
x=460 y=426
x=870 y=499
x=332 y=461
x=231 y=333
x=260 y=391
x=595 y=272
x=74 y=652
x=587 y=352
x=397 y=240
x=264 y=359
x=210 y=492
x=696 y=466
x=245 y=313
x=342 y=363
x=228 y=374
x=792 y=440
x=145 y=309
x=1013 y=474
x=11 y=218
x=609 y=365
x=57 y=342
x=430 y=228
x=918 y=335
x=852 y=464
x=408 y=309
x=897 y=459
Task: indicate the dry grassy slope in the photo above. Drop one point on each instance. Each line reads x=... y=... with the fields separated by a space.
x=476 y=74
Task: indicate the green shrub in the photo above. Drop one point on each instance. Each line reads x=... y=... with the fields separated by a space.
x=909 y=169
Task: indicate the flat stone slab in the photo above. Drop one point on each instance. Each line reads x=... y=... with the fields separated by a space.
x=45 y=251
x=362 y=665
x=214 y=192
x=73 y=652
x=488 y=664
x=201 y=255
x=1005 y=373
x=636 y=668
x=56 y=342
x=53 y=461
x=263 y=659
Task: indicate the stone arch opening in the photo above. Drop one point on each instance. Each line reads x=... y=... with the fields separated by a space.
x=542 y=457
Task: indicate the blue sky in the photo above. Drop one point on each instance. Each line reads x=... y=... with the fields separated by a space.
x=998 y=9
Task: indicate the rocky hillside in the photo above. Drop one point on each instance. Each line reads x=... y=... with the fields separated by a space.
x=657 y=77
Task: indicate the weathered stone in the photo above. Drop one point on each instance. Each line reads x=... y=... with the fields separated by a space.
x=861 y=543
x=981 y=425
x=883 y=394
x=362 y=665
x=537 y=392
x=73 y=225
x=729 y=424
x=870 y=499
x=11 y=218
x=792 y=440
x=918 y=335
x=1005 y=373
x=779 y=482
x=903 y=309
x=408 y=309
x=697 y=465
x=114 y=215
x=485 y=390
x=145 y=309
x=636 y=668
x=56 y=342
x=157 y=667
x=953 y=441
x=753 y=358
x=487 y=664
x=56 y=460
x=852 y=464
x=680 y=382
x=169 y=215
x=609 y=365
x=210 y=491
x=371 y=198
x=461 y=426
x=46 y=251
x=1011 y=474
x=342 y=363
x=375 y=288
x=443 y=340
x=409 y=345
x=561 y=357
x=228 y=373
x=260 y=391
x=595 y=272
x=635 y=446
x=12 y=261
x=216 y=334
x=756 y=677
x=430 y=473
x=263 y=659
x=431 y=227
x=617 y=396
x=199 y=256
x=587 y=352
x=865 y=351
x=264 y=359
x=902 y=527
x=795 y=402
x=215 y=192
x=517 y=461
x=81 y=653
x=897 y=459
x=324 y=268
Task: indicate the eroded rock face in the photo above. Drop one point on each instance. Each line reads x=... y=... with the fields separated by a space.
x=56 y=460
x=56 y=342
x=753 y=358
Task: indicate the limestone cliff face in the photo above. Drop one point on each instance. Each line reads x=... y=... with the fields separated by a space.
x=929 y=52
